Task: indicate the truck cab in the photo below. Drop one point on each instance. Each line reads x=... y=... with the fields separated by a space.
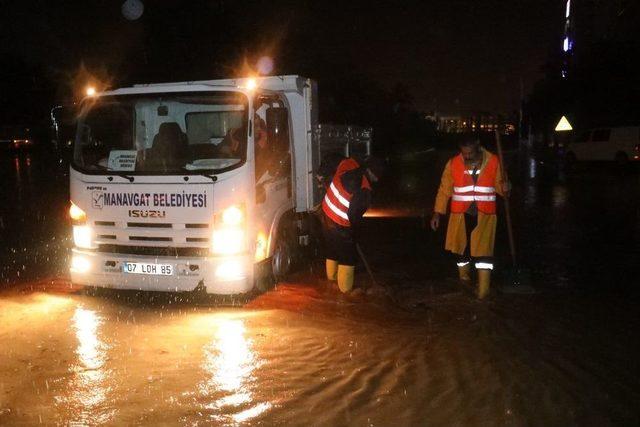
x=189 y=186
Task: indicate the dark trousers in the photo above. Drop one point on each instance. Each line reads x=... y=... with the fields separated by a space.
x=339 y=244
x=481 y=263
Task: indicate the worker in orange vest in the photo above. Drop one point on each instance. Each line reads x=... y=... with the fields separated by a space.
x=347 y=198
x=471 y=179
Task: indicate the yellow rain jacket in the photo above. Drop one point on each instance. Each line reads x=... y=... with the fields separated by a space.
x=483 y=236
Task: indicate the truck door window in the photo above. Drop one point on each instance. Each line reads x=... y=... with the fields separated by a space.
x=279 y=140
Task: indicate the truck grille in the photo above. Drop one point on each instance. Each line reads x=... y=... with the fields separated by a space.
x=149 y=225
x=123 y=234
x=151 y=239
x=153 y=251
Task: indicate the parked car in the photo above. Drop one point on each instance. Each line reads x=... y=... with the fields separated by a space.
x=15 y=138
x=619 y=144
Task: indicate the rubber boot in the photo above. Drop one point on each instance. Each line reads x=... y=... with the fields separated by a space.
x=345 y=278
x=484 y=281
x=332 y=269
x=464 y=272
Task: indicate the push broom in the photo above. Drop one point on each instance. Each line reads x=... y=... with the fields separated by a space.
x=518 y=280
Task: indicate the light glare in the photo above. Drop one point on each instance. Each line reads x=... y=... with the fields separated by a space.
x=80 y=264
x=261 y=247
x=228 y=241
x=232 y=216
x=82 y=236
x=230 y=270
x=76 y=213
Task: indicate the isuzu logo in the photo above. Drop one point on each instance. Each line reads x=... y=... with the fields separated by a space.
x=140 y=213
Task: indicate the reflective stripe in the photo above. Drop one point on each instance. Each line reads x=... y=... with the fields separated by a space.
x=335 y=210
x=480 y=189
x=476 y=198
x=462 y=264
x=477 y=189
x=463 y=189
x=461 y=198
x=484 y=265
x=336 y=193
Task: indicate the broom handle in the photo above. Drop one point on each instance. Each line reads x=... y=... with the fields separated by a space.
x=505 y=178
x=366 y=264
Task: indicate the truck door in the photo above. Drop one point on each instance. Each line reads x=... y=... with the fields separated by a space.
x=273 y=163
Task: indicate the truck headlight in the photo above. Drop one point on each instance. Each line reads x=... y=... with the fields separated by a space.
x=233 y=215
x=80 y=264
x=229 y=237
x=83 y=236
x=82 y=233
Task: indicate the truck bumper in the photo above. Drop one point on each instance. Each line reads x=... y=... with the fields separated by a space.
x=219 y=275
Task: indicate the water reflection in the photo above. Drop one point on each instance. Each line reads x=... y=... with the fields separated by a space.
x=18 y=177
x=89 y=349
x=89 y=388
x=559 y=195
x=229 y=362
x=533 y=165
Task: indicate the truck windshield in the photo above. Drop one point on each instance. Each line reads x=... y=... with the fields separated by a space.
x=173 y=133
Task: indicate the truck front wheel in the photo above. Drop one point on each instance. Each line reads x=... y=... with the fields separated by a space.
x=282 y=258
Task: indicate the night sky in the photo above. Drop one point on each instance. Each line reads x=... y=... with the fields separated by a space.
x=452 y=55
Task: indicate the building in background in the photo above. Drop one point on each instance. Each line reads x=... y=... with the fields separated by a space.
x=472 y=122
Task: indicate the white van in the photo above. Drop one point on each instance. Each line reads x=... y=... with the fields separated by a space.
x=620 y=144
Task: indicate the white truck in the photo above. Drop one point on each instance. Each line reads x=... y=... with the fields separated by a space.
x=199 y=186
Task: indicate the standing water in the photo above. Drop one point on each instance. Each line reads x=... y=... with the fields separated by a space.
x=303 y=355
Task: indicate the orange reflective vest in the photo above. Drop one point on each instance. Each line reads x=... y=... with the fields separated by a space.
x=335 y=204
x=465 y=191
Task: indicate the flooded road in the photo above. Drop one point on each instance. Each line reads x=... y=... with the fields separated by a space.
x=301 y=355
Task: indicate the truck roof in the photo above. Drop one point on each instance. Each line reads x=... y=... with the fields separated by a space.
x=286 y=83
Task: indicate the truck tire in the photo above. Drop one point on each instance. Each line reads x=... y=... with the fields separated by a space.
x=282 y=260
x=264 y=279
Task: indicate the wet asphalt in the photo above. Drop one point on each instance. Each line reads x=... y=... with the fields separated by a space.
x=426 y=354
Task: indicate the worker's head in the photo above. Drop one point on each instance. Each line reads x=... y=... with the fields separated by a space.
x=375 y=168
x=470 y=147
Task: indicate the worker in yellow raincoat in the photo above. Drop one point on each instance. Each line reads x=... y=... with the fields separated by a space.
x=471 y=179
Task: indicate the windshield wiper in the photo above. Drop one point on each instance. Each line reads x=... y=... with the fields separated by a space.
x=122 y=175
x=211 y=177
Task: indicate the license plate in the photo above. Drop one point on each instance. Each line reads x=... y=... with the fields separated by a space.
x=147 y=268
